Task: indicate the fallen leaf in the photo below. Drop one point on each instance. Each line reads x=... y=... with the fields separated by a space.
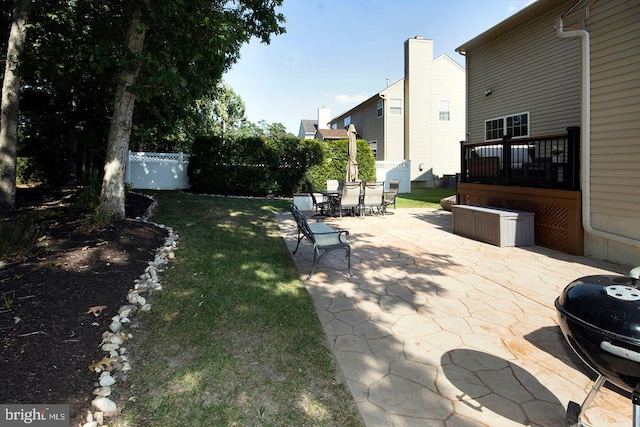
x=102 y=364
x=96 y=310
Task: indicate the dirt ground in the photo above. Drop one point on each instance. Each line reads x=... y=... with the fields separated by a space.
x=48 y=338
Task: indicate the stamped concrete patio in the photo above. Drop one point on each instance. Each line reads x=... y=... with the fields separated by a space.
x=434 y=329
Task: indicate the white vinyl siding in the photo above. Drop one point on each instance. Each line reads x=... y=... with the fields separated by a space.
x=419 y=106
x=448 y=84
x=391 y=147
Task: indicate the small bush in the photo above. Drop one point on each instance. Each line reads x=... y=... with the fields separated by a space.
x=18 y=237
x=89 y=197
x=27 y=171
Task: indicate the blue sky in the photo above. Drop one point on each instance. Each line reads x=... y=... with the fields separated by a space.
x=337 y=53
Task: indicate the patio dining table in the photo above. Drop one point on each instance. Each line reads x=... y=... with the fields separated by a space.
x=334 y=198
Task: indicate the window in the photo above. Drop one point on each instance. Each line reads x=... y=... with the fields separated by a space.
x=444 y=110
x=373 y=145
x=493 y=129
x=347 y=121
x=380 y=107
x=516 y=125
x=395 y=106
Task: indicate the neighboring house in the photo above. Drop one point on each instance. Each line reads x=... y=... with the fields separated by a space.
x=419 y=118
x=331 y=134
x=308 y=128
x=555 y=66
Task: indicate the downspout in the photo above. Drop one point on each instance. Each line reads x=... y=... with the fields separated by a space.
x=585 y=143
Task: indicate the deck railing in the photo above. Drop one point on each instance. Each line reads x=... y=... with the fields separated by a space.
x=551 y=161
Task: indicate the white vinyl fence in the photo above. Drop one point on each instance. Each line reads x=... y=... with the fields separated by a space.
x=157 y=171
x=388 y=170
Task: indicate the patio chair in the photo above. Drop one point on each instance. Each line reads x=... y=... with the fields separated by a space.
x=333 y=185
x=373 y=197
x=350 y=197
x=390 y=196
x=322 y=208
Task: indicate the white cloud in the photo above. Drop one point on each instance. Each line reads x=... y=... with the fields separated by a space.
x=346 y=98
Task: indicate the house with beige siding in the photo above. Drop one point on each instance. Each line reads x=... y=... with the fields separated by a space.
x=557 y=68
x=420 y=118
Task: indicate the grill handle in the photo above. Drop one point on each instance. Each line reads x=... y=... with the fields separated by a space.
x=625 y=353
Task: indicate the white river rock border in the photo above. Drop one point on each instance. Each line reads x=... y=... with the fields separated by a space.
x=117 y=366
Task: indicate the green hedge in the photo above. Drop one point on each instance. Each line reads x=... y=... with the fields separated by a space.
x=334 y=165
x=253 y=166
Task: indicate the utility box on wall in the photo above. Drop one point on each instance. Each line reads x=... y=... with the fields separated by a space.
x=500 y=227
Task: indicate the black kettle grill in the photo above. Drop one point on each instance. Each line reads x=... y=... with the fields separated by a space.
x=600 y=319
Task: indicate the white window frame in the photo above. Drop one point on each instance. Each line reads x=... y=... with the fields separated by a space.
x=380 y=107
x=444 y=110
x=502 y=127
x=347 y=121
x=395 y=106
x=373 y=146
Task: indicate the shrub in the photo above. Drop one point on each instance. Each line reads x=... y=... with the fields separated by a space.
x=334 y=166
x=18 y=237
x=252 y=166
x=27 y=171
x=89 y=197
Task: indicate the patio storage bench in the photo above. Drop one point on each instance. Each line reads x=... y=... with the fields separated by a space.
x=323 y=237
x=500 y=227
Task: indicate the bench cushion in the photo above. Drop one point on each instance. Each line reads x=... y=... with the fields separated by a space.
x=323 y=237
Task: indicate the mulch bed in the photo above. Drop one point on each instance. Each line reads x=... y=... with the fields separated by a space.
x=48 y=339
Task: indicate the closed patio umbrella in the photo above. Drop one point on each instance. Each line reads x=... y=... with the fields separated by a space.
x=352 y=164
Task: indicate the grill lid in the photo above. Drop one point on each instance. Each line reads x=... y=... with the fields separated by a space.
x=608 y=303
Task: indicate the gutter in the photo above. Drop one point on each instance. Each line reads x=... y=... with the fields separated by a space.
x=585 y=156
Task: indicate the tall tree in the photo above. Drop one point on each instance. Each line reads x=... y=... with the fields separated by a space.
x=68 y=76
x=228 y=110
x=10 y=107
x=112 y=194
x=188 y=46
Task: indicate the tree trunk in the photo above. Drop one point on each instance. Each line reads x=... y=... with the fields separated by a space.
x=10 y=108
x=112 y=196
x=72 y=145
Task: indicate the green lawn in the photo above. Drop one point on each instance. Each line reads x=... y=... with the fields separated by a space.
x=423 y=197
x=233 y=337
